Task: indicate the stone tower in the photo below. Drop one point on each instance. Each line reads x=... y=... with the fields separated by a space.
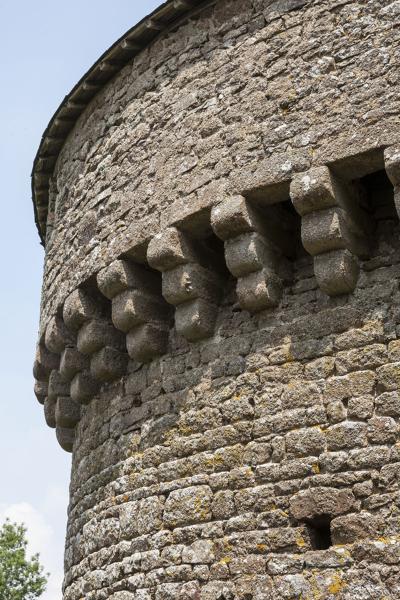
x=218 y=198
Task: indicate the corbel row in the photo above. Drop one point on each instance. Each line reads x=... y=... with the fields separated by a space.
x=60 y=410
x=128 y=310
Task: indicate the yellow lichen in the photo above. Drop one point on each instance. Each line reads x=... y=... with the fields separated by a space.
x=337 y=585
x=262 y=547
x=300 y=542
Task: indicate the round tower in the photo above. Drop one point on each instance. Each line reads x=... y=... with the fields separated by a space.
x=218 y=199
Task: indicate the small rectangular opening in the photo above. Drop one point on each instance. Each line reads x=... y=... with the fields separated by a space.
x=320 y=534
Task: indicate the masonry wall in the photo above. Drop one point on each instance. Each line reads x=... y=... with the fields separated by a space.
x=261 y=460
x=243 y=95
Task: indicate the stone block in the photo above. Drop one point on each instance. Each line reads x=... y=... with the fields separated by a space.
x=259 y=291
x=188 y=282
x=328 y=230
x=360 y=407
x=389 y=377
x=348 y=434
x=336 y=272
x=49 y=407
x=67 y=412
x=223 y=505
x=233 y=217
x=57 y=386
x=147 y=341
x=57 y=335
x=188 y=505
x=83 y=387
x=382 y=430
x=123 y=275
x=358 y=383
x=392 y=164
x=65 y=437
x=45 y=362
x=195 y=320
x=97 y=333
x=79 y=307
x=170 y=249
x=72 y=361
x=149 y=515
x=315 y=503
x=367 y=357
x=133 y=307
x=351 y=528
x=41 y=390
x=313 y=191
x=108 y=364
x=305 y=442
x=388 y=404
x=249 y=253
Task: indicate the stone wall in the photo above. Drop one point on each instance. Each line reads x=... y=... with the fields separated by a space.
x=238 y=97
x=219 y=334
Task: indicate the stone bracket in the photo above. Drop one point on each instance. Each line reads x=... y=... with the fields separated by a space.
x=97 y=337
x=333 y=228
x=253 y=253
x=138 y=308
x=189 y=281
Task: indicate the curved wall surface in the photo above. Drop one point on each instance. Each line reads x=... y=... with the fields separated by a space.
x=218 y=342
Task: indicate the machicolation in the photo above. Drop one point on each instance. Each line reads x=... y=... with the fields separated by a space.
x=219 y=201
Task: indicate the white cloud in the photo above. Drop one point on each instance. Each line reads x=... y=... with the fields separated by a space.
x=41 y=536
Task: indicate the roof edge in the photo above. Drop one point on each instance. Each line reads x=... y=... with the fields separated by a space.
x=136 y=39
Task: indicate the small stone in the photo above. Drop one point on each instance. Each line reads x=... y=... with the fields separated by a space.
x=348 y=434
x=361 y=407
x=200 y=552
x=351 y=528
x=188 y=505
x=305 y=442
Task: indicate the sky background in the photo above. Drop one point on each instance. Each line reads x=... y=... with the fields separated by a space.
x=45 y=47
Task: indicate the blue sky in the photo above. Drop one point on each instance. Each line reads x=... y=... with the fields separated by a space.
x=45 y=47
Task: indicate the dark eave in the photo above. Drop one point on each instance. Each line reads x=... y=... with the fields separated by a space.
x=66 y=115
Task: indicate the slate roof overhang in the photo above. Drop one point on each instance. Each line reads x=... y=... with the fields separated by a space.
x=105 y=68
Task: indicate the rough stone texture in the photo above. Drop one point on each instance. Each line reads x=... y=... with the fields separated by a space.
x=204 y=472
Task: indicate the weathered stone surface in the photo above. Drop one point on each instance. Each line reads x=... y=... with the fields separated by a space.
x=65 y=438
x=72 y=362
x=133 y=307
x=79 y=307
x=41 y=390
x=57 y=335
x=67 y=412
x=147 y=341
x=336 y=272
x=122 y=275
x=97 y=333
x=190 y=505
x=108 y=364
x=57 y=386
x=352 y=528
x=320 y=502
x=83 y=387
x=195 y=320
x=45 y=363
